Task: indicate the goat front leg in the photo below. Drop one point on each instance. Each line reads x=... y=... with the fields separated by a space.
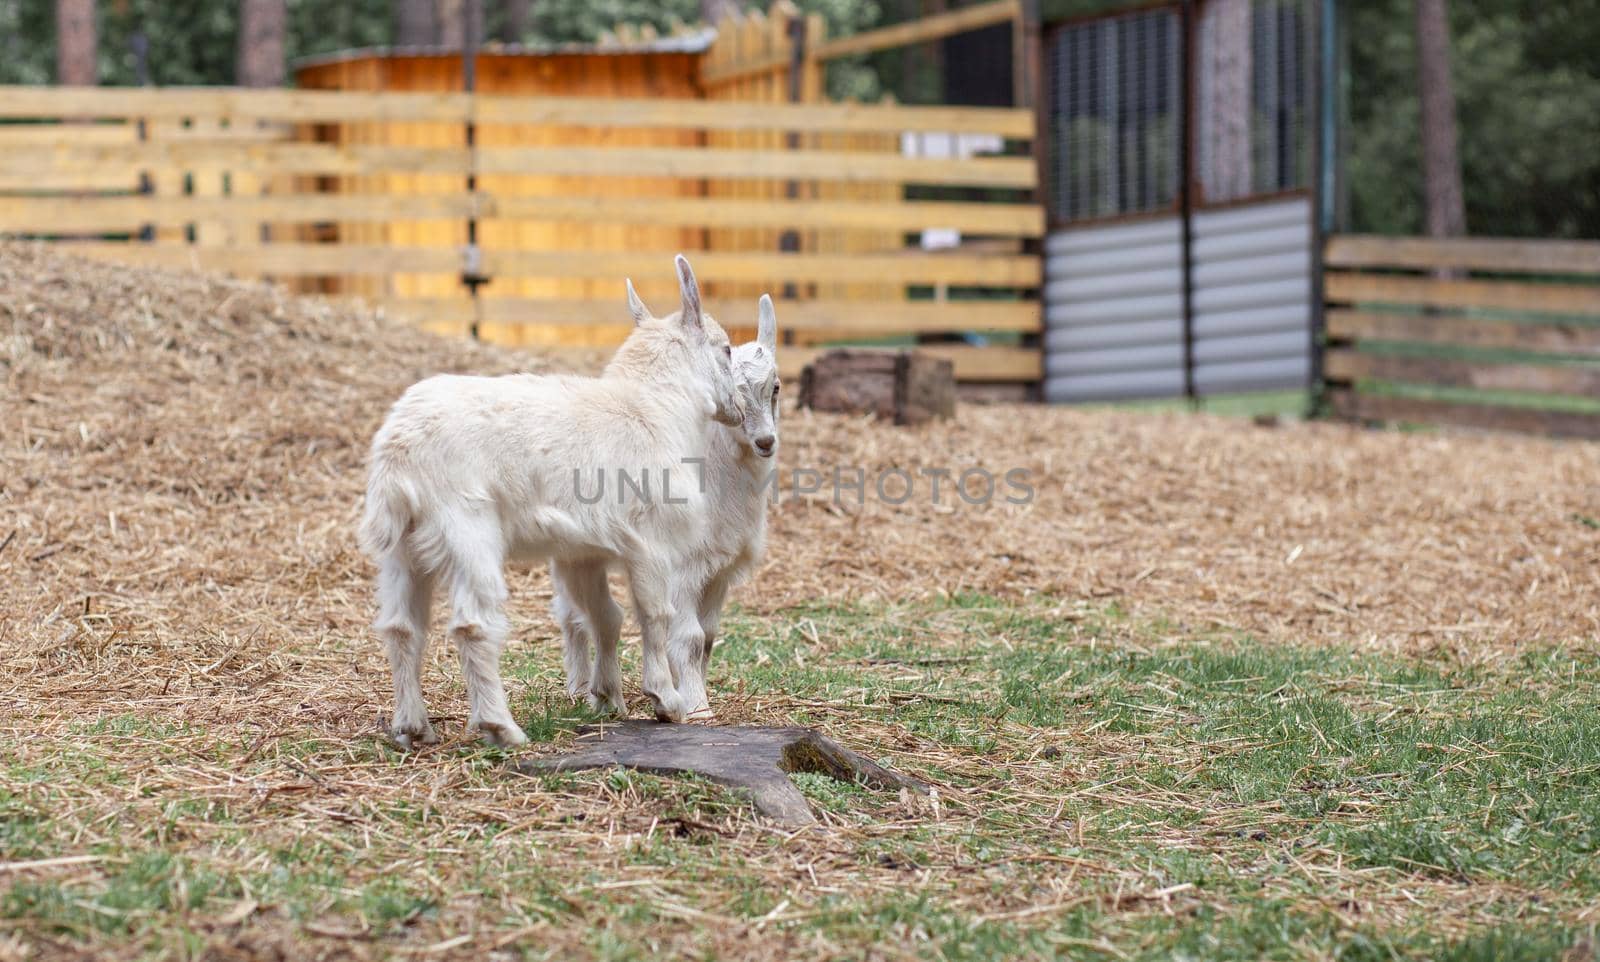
x=686 y=654
x=652 y=605
x=709 y=610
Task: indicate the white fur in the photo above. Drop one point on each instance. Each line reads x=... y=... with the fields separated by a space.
x=738 y=475
x=467 y=472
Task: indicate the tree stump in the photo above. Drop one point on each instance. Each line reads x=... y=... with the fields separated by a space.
x=902 y=386
x=757 y=760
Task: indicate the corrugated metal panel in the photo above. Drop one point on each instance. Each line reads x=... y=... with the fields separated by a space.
x=1113 y=300
x=1252 y=297
x=1113 y=304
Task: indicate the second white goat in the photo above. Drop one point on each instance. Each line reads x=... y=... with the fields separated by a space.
x=738 y=476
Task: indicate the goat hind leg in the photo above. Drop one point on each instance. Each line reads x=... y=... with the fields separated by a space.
x=404 y=599
x=577 y=629
x=585 y=599
x=478 y=627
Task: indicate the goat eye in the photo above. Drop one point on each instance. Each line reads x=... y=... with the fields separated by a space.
x=727 y=352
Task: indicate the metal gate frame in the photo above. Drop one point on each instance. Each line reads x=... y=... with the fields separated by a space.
x=1322 y=71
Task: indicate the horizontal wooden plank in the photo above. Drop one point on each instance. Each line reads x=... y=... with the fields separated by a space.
x=1474 y=253
x=736 y=115
x=305 y=158
x=327 y=106
x=1342 y=364
x=108 y=179
x=117 y=214
x=1008 y=364
x=1456 y=330
x=242 y=156
x=912 y=267
x=839 y=318
x=713 y=76
x=1576 y=299
x=175 y=103
x=460 y=312
x=305 y=260
x=131 y=212
x=328 y=259
x=1009 y=220
x=729 y=163
x=1356 y=405
x=921 y=30
x=26 y=135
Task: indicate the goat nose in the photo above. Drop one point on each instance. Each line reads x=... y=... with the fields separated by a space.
x=765 y=442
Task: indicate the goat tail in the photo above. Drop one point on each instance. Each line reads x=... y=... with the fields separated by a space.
x=388 y=514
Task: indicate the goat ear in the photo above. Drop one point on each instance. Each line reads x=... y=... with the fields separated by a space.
x=767 y=325
x=635 y=306
x=691 y=295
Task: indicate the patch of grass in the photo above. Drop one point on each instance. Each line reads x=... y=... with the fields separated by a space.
x=1105 y=788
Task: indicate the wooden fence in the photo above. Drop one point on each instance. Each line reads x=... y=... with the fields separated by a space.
x=1500 y=334
x=366 y=194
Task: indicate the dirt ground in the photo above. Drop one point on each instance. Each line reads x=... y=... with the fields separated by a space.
x=181 y=463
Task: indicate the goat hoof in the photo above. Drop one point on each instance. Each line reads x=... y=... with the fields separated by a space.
x=668 y=711
x=410 y=737
x=612 y=705
x=701 y=714
x=505 y=735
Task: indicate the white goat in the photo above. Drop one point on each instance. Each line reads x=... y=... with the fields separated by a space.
x=470 y=471
x=737 y=478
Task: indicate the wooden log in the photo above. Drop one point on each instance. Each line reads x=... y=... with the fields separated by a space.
x=756 y=760
x=904 y=386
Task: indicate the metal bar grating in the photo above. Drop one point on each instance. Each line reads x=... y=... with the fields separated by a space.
x=1279 y=109
x=1115 y=111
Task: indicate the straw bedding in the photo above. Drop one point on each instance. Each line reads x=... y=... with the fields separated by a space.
x=181 y=466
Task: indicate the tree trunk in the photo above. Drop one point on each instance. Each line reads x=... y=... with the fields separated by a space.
x=262 y=25
x=1225 y=72
x=76 y=45
x=455 y=18
x=414 y=24
x=518 y=18
x=1441 y=161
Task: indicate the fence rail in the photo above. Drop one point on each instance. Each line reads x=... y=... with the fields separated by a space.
x=367 y=194
x=1414 y=337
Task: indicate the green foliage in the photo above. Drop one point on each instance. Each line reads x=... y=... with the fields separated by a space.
x=1527 y=77
x=582 y=21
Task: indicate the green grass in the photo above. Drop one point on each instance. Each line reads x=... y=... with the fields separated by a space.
x=1106 y=789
